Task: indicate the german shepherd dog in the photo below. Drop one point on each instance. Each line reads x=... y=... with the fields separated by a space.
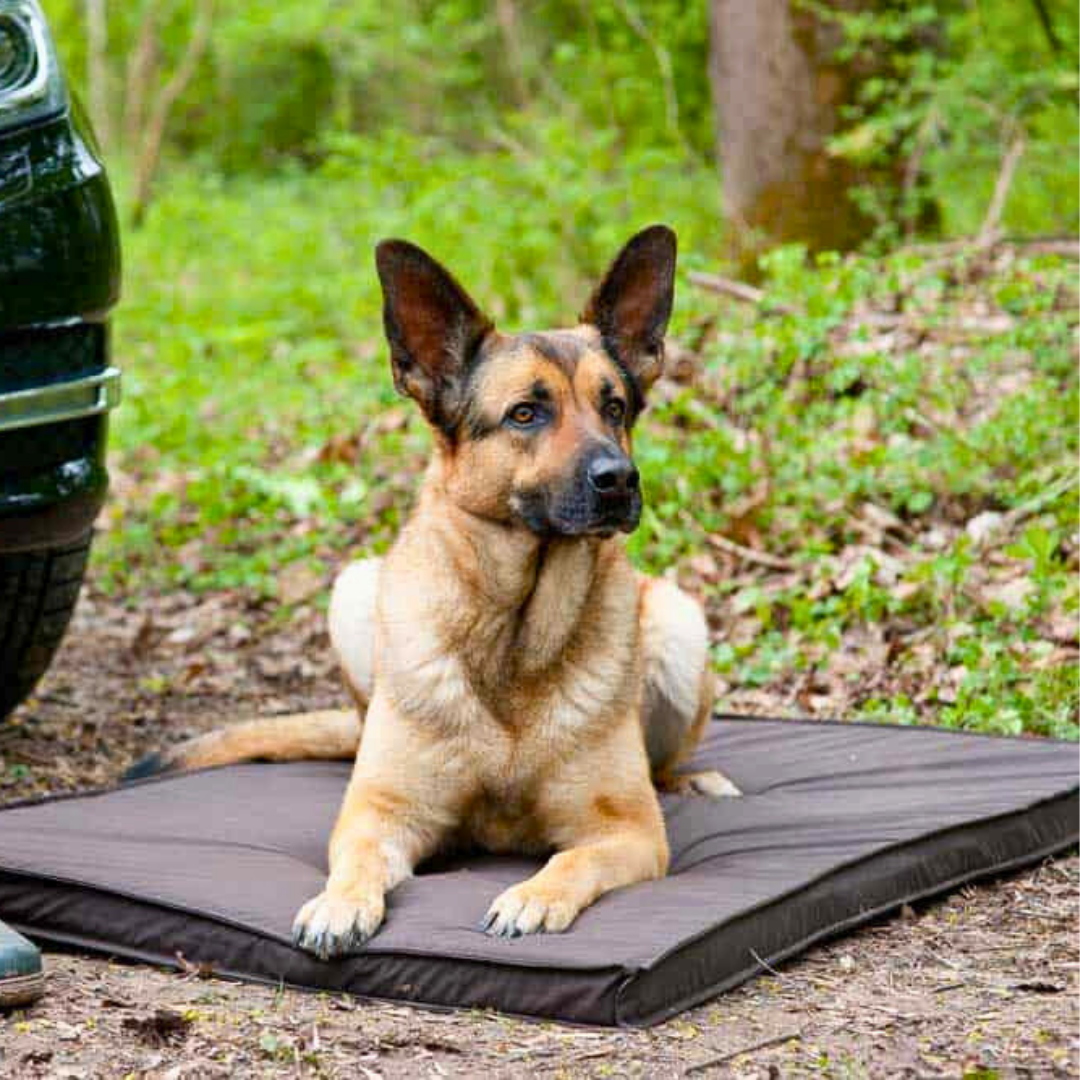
x=519 y=686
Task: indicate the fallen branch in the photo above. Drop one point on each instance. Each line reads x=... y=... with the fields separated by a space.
x=1065 y=246
x=750 y=555
x=712 y=1063
x=1002 y=525
x=1042 y=498
x=738 y=290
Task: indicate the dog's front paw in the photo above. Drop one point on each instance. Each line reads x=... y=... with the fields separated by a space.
x=527 y=909
x=330 y=926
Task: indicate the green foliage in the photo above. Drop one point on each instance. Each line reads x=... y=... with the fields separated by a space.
x=280 y=76
x=964 y=81
x=260 y=427
x=955 y=84
x=825 y=431
x=251 y=324
x=522 y=143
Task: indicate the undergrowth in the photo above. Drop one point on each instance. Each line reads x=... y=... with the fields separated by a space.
x=895 y=436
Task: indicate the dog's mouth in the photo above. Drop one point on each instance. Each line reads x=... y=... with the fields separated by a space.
x=577 y=513
x=622 y=519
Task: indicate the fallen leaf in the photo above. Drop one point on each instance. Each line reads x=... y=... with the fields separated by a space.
x=1012 y=594
x=298 y=582
x=162 y=1028
x=982 y=526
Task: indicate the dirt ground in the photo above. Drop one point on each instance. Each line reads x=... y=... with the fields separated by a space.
x=983 y=983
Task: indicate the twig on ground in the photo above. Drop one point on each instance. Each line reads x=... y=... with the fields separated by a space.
x=1009 y=520
x=1033 y=505
x=738 y=290
x=1066 y=246
x=750 y=555
x=766 y=966
x=712 y=1063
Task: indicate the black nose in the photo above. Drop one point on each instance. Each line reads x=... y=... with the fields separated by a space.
x=611 y=475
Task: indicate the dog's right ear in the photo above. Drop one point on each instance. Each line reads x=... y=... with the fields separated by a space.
x=433 y=327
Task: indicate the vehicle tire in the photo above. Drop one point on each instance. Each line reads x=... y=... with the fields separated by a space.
x=38 y=590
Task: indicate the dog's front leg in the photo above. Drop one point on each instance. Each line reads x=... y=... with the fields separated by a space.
x=395 y=813
x=549 y=901
x=369 y=855
x=606 y=837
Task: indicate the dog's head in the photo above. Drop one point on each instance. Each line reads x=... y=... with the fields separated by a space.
x=534 y=429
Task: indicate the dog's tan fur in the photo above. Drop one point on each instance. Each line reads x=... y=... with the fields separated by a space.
x=520 y=689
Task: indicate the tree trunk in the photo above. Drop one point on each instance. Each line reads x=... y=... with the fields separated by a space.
x=507 y=17
x=777 y=93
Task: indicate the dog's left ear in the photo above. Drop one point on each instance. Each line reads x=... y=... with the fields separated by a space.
x=433 y=326
x=632 y=305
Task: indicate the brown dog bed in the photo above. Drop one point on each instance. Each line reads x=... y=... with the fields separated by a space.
x=838 y=824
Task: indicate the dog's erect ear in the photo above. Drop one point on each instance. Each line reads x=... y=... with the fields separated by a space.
x=433 y=327
x=632 y=305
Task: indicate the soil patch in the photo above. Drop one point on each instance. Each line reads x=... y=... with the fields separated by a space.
x=987 y=979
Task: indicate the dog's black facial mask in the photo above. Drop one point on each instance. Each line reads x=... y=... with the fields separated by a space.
x=601 y=497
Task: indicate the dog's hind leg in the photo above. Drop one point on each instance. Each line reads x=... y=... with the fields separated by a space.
x=351 y=621
x=678 y=687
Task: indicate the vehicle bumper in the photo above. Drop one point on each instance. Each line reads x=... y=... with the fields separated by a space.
x=59 y=242
x=53 y=433
x=86 y=396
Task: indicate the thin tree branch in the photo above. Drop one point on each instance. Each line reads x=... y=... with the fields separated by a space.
x=750 y=555
x=140 y=69
x=1048 y=25
x=97 y=70
x=159 y=117
x=663 y=62
x=913 y=166
x=1066 y=247
x=506 y=16
x=991 y=226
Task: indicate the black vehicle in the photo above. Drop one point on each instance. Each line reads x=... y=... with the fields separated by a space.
x=59 y=276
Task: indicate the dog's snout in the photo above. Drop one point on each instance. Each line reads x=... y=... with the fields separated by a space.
x=601 y=497
x=612 y=475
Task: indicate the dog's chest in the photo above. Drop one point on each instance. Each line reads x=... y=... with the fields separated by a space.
x=516 y=684
x=502 y=820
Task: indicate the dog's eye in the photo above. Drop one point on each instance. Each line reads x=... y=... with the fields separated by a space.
x=615 y=411
x=523 y=415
